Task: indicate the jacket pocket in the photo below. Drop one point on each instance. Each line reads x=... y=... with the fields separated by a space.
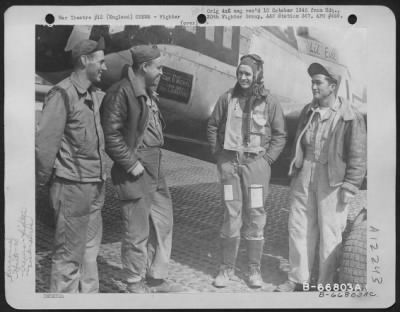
x=89 y=143
x=127 y=186
x=82 y=129
x=259 y=131
x=259 y=123
x=337 y=170
x=129 y=190
x=237 y=112
x=75 y=136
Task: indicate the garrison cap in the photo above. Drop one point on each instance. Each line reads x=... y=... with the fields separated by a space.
x=144 y=53
x=318 y=69
x=86 y=47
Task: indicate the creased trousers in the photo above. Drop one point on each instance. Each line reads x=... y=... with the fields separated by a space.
x=315 y=211
x=79 y=226
x=148 y=223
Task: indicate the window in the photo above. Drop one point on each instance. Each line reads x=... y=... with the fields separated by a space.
x=302 y=31
x=191 y=29
x=227 y=37
x=116 y=29
x=244 y=45
x=210 y=32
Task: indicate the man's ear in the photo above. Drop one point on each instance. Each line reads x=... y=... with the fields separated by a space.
x=84 y=60
x=144 y=66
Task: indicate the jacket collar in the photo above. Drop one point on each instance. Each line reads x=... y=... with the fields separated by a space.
x=80 y=86
x=346 y=109
x=237 y=91
x=138 y=86
x=341 y=105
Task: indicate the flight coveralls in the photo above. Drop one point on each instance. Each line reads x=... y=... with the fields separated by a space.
x=316 y=209
x=70 y=155
x=245 y=138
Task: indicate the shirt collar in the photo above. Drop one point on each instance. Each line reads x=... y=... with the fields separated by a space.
x=341 y=106
x=80 y=86
x=334 y=107
x=324 y=114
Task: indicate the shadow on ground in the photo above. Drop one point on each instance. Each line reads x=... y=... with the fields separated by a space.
x=195 y=254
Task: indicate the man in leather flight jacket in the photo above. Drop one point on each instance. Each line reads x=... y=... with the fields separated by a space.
x=133 y=129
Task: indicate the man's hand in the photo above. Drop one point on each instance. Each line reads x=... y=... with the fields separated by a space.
x=346 y=196
x=138 y=170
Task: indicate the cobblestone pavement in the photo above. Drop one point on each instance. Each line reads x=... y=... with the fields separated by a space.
x=197 y=218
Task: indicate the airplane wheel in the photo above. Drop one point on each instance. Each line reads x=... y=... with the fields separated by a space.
x=353 y=268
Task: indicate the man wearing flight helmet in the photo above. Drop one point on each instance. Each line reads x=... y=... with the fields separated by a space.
x=246 y=133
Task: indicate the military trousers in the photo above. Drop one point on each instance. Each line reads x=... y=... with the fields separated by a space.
x=316 y=211
x=147 y=224
x=245 y=184
x=78 y=233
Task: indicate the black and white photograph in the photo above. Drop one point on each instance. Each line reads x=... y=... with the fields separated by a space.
x=206 y=160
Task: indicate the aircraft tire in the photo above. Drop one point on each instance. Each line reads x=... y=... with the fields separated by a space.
x=353 y=268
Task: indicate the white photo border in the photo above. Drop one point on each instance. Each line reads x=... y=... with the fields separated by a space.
x=19 y=111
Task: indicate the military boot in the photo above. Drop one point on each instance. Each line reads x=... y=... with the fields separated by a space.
x=230 y=247
x=254 y=253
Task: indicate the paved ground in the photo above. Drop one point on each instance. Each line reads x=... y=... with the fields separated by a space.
x=197 y=215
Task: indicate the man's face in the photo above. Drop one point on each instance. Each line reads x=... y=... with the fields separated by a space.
x=95 y=66
x=321 y=87
x=152 y=72
x=245 y=76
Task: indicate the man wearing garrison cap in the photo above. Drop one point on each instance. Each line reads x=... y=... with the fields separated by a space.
x=70 y=157
x=246 y=132
x=327 y=169
x=133 y=129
